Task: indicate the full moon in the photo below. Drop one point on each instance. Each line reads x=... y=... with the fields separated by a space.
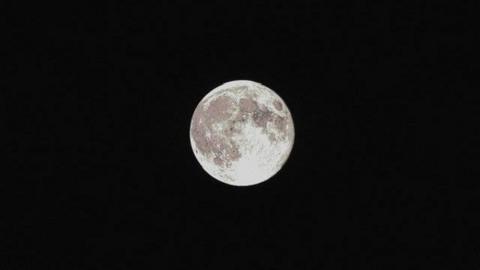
x=242 y=133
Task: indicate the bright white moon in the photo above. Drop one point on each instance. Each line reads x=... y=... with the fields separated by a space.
x=242 y=133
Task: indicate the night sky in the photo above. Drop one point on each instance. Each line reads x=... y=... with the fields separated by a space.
x=96 y=103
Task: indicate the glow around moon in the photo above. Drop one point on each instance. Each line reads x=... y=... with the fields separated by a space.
x=242 y=133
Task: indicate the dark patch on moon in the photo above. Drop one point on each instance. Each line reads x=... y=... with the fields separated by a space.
x=217 y=144
x=280 y=123
x=220 y=109
x=262 y=116
x=247 y=105
x=278 y=105
x=218 y=161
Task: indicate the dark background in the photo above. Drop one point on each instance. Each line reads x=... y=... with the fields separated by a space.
x=96 y=105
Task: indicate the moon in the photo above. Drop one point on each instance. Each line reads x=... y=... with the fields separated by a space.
x=242 y=133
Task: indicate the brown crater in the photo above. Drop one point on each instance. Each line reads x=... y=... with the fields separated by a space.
x=281 y=123
x=262 y=116
x=278 y=105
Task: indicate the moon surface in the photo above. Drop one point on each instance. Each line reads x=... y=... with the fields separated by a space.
x=242 y=133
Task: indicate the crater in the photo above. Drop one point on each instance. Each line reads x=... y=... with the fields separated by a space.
x=281 y=124
x=278 y=105
x=261 y=117
x=218 y=161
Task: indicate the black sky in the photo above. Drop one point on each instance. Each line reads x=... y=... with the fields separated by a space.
x=97 y=101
